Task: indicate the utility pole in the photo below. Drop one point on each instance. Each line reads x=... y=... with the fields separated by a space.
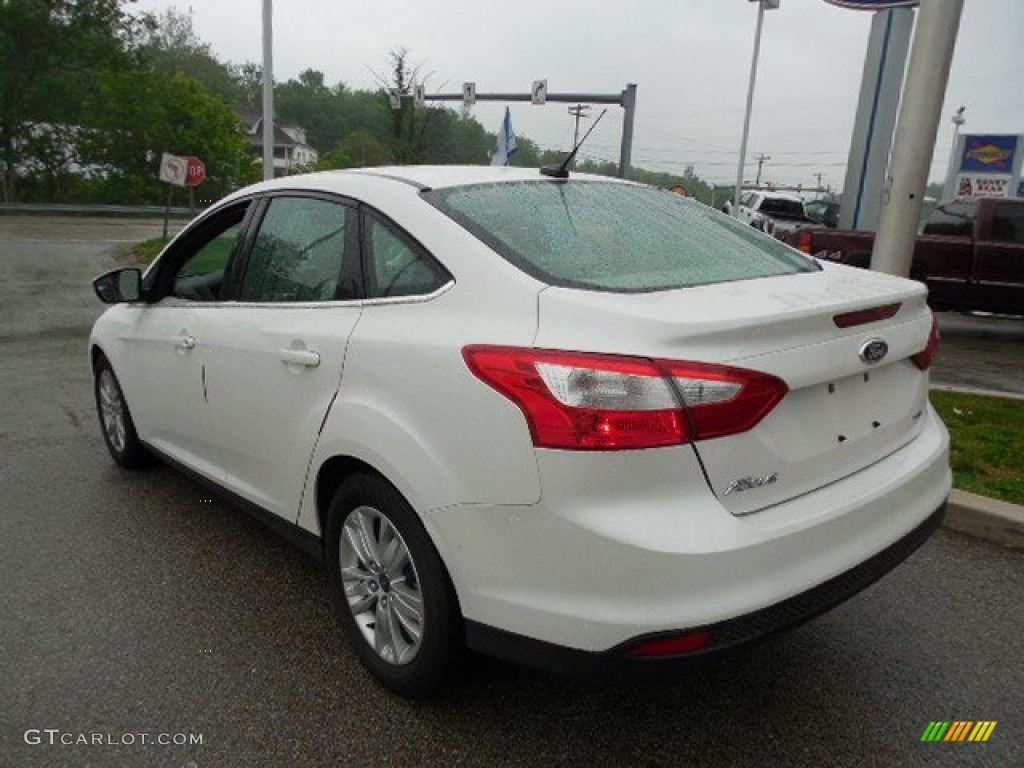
x=762 y=6
x=818 y=186
x=760 y=163
x=577 y=111
x=268 y=90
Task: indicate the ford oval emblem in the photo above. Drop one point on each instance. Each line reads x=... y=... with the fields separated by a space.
x=873 y=351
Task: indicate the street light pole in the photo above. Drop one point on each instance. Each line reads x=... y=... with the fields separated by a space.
x=268 y=90
x=762 y=6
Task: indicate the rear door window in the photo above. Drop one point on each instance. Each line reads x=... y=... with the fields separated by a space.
x=395 y=265
x=298 y=252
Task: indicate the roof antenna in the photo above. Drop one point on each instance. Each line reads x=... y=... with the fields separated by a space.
x=562 y=171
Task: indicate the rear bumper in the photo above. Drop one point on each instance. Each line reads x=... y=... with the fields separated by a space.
x=629 y=545
x=725 y=636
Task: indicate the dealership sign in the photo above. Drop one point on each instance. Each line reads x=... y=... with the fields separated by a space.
x=988 y=165
x=872 y=5
x=988 y=154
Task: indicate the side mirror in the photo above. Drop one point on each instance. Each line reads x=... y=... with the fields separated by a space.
x=119 y=285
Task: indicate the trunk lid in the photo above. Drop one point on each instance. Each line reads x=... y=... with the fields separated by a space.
x=844 y=410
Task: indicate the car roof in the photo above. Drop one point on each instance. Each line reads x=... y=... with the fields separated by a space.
x=781 y=195
x=421 y=177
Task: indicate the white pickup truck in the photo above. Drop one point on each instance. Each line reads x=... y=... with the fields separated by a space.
x=777 y=213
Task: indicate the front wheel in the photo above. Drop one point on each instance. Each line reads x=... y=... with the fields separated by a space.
x=390 y=588
x=116 y=420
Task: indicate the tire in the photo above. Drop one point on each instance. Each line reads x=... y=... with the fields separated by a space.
x=116 y=423
x=390 y=588
x=860 y=260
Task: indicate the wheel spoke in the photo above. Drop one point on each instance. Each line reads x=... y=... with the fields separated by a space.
x=359 y=534
x=408 y=609
x=381 y=586
x=360 y=599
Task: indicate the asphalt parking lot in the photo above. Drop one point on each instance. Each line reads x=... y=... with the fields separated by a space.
x=135 y=604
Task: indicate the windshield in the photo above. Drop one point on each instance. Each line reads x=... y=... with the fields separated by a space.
x=610 y=236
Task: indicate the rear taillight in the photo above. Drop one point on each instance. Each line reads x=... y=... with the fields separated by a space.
x=584 y=401
x=803 y=241
x=926 y=356
x=722 y=400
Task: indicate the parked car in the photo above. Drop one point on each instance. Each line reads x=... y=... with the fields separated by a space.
x=970 y=254
x=574 y=422
x=824 y=212
x=776 y=213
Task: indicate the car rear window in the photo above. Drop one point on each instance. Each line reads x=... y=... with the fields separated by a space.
x=611 y=236
x=953 y=219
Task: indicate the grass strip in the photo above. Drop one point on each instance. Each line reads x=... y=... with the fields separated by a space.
x=987 y=443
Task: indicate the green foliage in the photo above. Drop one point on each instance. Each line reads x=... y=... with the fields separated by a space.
x=359 y=150
x=141 y=113
x=51 y=55
x=986 y=443
x=90 y=96
x=147 y=250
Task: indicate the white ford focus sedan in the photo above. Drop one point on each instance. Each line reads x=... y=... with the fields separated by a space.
x=573 y=422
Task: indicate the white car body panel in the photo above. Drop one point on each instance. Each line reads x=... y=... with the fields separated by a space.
x=162 y=378
x=265 y=410
x=629 y=547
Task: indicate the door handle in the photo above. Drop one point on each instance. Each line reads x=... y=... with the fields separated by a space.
x=187 y=342
x=306 y=357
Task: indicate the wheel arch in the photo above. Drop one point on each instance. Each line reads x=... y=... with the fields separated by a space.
x=338 y=468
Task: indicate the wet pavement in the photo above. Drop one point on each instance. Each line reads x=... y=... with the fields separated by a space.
x=133 y=604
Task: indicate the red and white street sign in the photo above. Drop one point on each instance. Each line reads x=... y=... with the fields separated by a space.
x=182 y=171
x=196 y=172
x=173 y=169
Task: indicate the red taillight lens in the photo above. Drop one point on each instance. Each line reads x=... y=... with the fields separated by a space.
x=583 y=401
x=926 y=356
x=803 y=241
x=673 y=645
x=865 y=316
x=722 y=400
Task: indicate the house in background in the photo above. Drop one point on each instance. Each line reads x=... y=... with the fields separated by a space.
x=291 y=152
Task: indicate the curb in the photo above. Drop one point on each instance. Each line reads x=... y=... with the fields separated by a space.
x=990 y=519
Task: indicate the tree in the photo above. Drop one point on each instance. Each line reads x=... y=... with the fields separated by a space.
x=171 y=44
x=319 y=109
x=141 y=113
x=51 y=55
x=359 y=150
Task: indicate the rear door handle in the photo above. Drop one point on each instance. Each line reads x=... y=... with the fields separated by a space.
x=306 y=357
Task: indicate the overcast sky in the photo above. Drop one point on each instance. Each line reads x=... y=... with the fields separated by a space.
x=690 y=60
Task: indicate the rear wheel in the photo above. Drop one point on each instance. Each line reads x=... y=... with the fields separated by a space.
x=116 y=420
x=390 y=588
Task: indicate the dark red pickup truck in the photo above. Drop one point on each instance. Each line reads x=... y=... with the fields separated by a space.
x=970 y=254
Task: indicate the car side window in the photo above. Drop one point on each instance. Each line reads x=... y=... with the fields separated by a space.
x=202 y=257
x=395 y=265
x=1008 y=223
x=298 y=252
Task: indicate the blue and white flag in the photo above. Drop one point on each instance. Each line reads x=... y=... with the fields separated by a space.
x=505 y=146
